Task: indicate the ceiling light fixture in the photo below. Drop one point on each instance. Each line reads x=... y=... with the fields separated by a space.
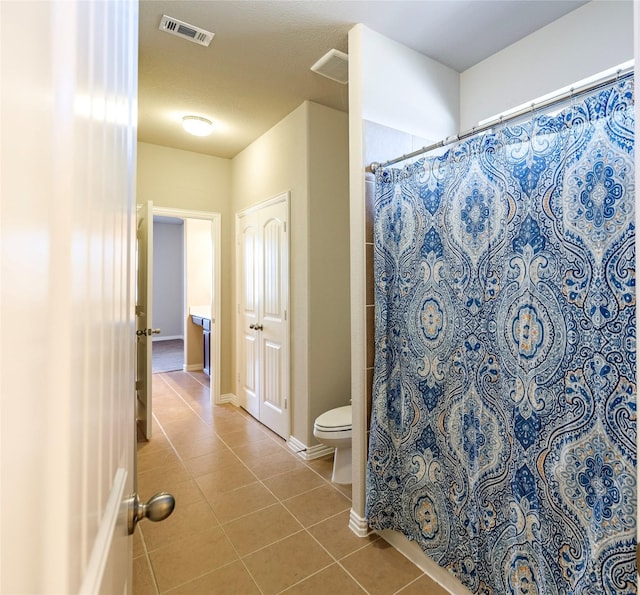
x=197 y=125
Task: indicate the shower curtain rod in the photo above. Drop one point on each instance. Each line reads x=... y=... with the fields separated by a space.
x=573 y=92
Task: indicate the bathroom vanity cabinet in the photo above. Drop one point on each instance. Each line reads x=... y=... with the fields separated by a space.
x=205 y=323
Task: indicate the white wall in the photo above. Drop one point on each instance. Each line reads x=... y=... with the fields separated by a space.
x=198 y=291
x=274 y=163
x=328 y=267
x=588 y=40
x=306 y=154
x=406 y=90
x=168 y=279
x=179 y=179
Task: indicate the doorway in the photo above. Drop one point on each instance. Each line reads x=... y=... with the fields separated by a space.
x=168 y=294
x=197 y=281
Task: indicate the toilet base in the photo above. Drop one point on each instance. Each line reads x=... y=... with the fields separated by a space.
x=342 y=466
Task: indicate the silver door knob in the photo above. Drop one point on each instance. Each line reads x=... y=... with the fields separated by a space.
x=158 y=508
x=153 y=331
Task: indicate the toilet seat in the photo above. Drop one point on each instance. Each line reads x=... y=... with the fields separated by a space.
x=335 y=420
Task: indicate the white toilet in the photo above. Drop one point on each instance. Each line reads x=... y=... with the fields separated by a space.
x=333 y=429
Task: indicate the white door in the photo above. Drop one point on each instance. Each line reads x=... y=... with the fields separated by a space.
x=144 y=318
x=67 y=222
x=263 y=329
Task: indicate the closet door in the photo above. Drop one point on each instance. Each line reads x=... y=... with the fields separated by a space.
x=263 y=336
x=247 y=364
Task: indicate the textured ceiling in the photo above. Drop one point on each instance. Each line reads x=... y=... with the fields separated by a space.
x=256 y=69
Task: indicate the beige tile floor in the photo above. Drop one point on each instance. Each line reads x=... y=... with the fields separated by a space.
x=251 y=517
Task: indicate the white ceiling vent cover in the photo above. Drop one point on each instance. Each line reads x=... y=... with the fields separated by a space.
x=334 y=65
x=185 y=30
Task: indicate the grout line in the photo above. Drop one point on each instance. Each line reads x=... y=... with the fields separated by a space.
x=177 y=392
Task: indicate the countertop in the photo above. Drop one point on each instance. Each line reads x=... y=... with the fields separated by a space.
x=201 y=311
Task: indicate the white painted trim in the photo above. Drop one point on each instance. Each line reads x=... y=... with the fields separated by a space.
x=216 y=243
x=92 y=581
x=229 y=398
x=282 y=197
x=358 y=524
x=412 y=551
x=167 y=338
x=192 y=368
x=308 y=453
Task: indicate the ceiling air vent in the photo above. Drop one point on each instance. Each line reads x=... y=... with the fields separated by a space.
x=334 y=65
x=186 y=31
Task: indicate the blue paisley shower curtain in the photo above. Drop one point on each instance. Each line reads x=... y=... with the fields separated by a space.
x=503 y=432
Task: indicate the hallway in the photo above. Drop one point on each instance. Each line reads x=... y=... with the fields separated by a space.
x=251 y=517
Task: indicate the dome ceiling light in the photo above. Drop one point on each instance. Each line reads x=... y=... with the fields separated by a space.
x=197 y=125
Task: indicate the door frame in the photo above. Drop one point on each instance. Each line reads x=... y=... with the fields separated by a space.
x=215 y=218
x=286 y=198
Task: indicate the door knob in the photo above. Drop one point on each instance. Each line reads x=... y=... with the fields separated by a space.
x=252 y=326
x=147 y=332
x=158 y=508
x=258 y=327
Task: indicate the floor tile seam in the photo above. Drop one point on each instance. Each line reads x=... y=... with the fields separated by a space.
x=232 y=446
x=173 y=447
x=248 y=514
x=184 y=401
x=305 y=493
x=197 y=577
x=251 y=553
x=291 y=471
x=232 y=464
x=191 y=478
x=198 y=380
x=311 y=490
x=399 y=591
x=305 y=578
x=340 y=562
x=256 y=479
x=333 y=516
x=150 y=566
x=202 y=529
x=181 y=458
x=253 y=578
x=282 y=500
x=308 y=465
x=300 y=521
x=335 y=558
x=241 y=558
x=352 y=576
x=268 y=545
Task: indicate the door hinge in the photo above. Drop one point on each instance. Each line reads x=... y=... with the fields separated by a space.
x=138 y=384
x=286 y=402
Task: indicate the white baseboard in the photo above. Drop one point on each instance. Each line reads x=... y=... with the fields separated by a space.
x=167 y=338
x=412 y=551
x=308 y=453
x=358 y=524
x=192 y=368
x=229 y=398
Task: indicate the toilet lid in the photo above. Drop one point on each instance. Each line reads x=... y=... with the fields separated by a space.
x=335 y=420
